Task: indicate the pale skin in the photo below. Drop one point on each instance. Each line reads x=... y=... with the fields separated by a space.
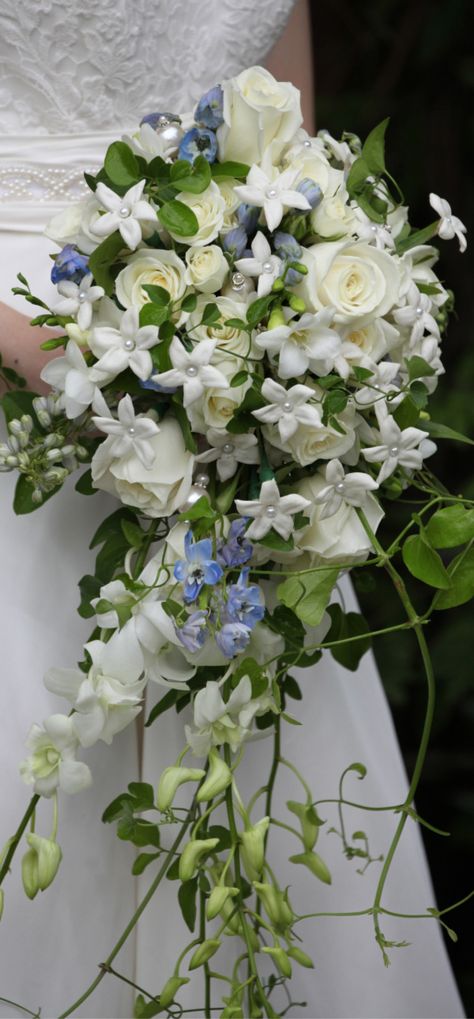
x=289 y=60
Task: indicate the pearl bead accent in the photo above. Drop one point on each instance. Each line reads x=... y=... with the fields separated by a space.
x=238 y=281
x=43 y=184
x=228 y=448
x=271 y=192
x=202 y=480
x=191 y=371
x=267 y=267
x=393 y=450
x=287 y=406
x=419 y=311
x=373 y=228
x=340 y=487
x=271 y=511
x=307 y=143
x=131 y=430
x=129 y=344
x=124 y=212
x=81 y=297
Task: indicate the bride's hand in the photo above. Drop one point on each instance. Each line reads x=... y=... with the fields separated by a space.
x=20 y=347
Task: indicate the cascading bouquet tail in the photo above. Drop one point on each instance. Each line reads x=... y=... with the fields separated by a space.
x=252 y=331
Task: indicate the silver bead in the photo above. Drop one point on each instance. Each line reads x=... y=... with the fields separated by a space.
x=195 y=492
x=373 y=228
x=287 y=406
x=267 y=267
x=191 y=371
x=228 y=448
x=270 y=511
x=238 y=280
x=172 y=135
x=307 y=143
x=201 y=480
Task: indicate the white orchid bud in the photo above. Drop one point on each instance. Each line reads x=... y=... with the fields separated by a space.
x=192 y=855
x=40 y=864
x=309 y=821
x=171 y=989
x=217 y=899
x=276 y=904
x=218 y=777
x=279 y=955
x=170 y=781
x=253 y=848
x=315 y=864
x=204 y=952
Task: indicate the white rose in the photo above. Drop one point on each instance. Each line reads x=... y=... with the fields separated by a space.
x=314 y=165
x=375 y=339
x=207 y=268
x=232 y=202
x=333 y=216
x=217 y=406
x=356 y=279
x=151 y=266
x=258 y=112
x=158 y=491
x=74 y=225
x=229 y=338
x=209 y=208
x=340 y=537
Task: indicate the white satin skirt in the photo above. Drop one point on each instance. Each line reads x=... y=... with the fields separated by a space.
x=50 y=948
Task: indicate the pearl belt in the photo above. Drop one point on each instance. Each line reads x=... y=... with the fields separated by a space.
x=20 y=183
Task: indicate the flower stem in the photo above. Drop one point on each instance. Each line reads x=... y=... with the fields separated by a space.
x=16 y=838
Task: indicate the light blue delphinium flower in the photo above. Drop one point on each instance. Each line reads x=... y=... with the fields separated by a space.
x=236 y=550
x=311 y=191
x=69 y=264
x=247 y=216
x=235 y=242
x=245 y=604
x=194 y=633
x=198 y=568
x=199 y=141
x=155 y=386
x=286 y=246
x=232 y=639
x=209 y=110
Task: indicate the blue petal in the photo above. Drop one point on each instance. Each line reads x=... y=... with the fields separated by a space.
x=200 y=551
x=212 y=572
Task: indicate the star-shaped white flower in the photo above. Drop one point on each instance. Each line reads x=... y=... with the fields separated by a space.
x=379 y=385
x=73 y=377
x=287 y=408
x=374 y=233
x=78 y=299
x=272 y=195
x=303 y=344
x=449 y=226
x=127 y=347
x=192 y=370
x=263 y=264
x=228 y=451
x=271 y=510
x=406 y=447
x=416 y=314
x=125 y=213
x=131 y=432
x=350 y=488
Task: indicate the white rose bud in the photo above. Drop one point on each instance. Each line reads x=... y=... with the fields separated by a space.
x=259 y=112
x=207 y=268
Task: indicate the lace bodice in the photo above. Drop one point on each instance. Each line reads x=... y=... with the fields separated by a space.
x=97 y=65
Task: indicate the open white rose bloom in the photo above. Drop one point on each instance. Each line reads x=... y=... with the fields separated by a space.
x=252 y=334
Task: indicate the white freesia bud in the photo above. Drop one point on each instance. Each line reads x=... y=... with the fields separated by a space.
x=253 y=848
x=192 y=855
x=170 y=781
x=218 y=778
x=218 y=898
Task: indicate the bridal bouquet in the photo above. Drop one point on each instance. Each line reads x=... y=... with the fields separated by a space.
x=252 y=330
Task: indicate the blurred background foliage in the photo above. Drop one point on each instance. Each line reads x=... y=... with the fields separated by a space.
x=414 y=60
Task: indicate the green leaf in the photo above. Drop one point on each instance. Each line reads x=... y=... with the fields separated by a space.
x=202 y=509
x=167 y=701
x=439 y=431
x=238 y=379
x=142 y=861
x=152 y=315
x=158 y=168
x=187 y=900
x=210 y=314
x=178 y=218
x=308 y=594
x=360 y=769
x=373 y=149
x=146 y=1009
x=407 y=414
x=357 y=177
x=291 y=688
x=84 y=485
x=189 y=302
x=419 y=394
x=143 y=795
x=418 y=368
x=275 y=541
x=217 y=831
x=258 y=309
x=417 y=237
x=15 y=404
x=102 y=262
x=158 y=295
x=121 y=165
x=285 y=622
x=183 y=421
x=424 y=563
x=347 y=625
x=230 y=169
x=89 y=588
x=194 y=180
x=450 y=526
x=461 y=574
x=132 y=532
x=227 y=490
x=110 y=526
x=22 y=500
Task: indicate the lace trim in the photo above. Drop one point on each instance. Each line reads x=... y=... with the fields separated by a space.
x=44 y=185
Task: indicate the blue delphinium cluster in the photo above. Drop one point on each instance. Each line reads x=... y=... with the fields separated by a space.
x=69 y=264
x=233 y=609
x=201 y=139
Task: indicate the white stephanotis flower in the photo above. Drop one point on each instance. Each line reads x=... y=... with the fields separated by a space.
x=406 y=447
x=78 y=299
x=228 y=451
x=272 y=195
x=416 y=314
x=149 y=143
x=449 y=226
x=303 y=344
x=130 y=432
x=125 y=213
x=217 y=721
x=379 y=385
x=271 y=510
x=77 y=382
x=126 y=347
x=287 y=408
x=192 y=370
x=52 y=763
x=263 y=264
x=109 y=697
x=351 y=488
x=374 y=233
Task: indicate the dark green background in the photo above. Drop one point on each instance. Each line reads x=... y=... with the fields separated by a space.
x=414 y=61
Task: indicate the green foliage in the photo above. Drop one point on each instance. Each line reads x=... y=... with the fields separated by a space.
x=121 y=165
x=345 y=626
x=461 y=577
x=103 y=262
x=308 y=594
x=423 y=562
x=178 y=218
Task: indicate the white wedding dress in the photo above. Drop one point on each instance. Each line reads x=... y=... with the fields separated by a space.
x=74 y=76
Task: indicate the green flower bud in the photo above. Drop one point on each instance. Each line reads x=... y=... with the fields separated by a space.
x=277 y=317
x=233 y=924
x=29 y=873
x=218 y=897
x=276 y=904
x=315 y=864
x=217 y=779
x=253 y=848
x=278 y=284
x=204 y=952
x=309 y=821
x=297 y=304
x=281 y=959
x=171 y=989
x=49 y=857
x=300 y=267
x=192 y=855
x=171 y=779
x=299 y=956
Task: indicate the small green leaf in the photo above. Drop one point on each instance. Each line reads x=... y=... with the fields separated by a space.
x=424 y=563
x=210 y=314
x=373 y=149
x=133 y=533
x=15 y=404
x=357 y=177
x=417 y=237
x=439 y=431
x=178 y=218
x=84 y=486
x=189 y=302
x=418 y=368
x=167 y=701
x=461 y=574
x=153 y=315
x=142 y=861
x=194 y=180
x=450 y=526
x=89 y=588
x=275 y=541
x=121 y=165
x=230 y=169
x=158 y=295
x=22 y=500
x=308 y=594
x=102 y=262
x=187 y=900
x=183 y=421
x=238 y=379
x=257 y=310
x=345 y=626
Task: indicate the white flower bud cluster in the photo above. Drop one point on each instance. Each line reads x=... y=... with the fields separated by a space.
x=45 y=460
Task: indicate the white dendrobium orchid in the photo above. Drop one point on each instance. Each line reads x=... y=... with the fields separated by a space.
x=351 y=488
x=124 y=213
x=217 y=722
x=379 y=385
x=263 y=264
x=449 y=226
x=72 y=376
x=78 y=300
x=52 y=764
x=127 y=347
x=288 y=408
x=130 y=432
x=417 y=314
x=273 y=196
x=374 y=233
x=271 y=510
x=303 y=344
x=192 y=370
x=405 y=447
x=228 y=451
x=108 y=698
